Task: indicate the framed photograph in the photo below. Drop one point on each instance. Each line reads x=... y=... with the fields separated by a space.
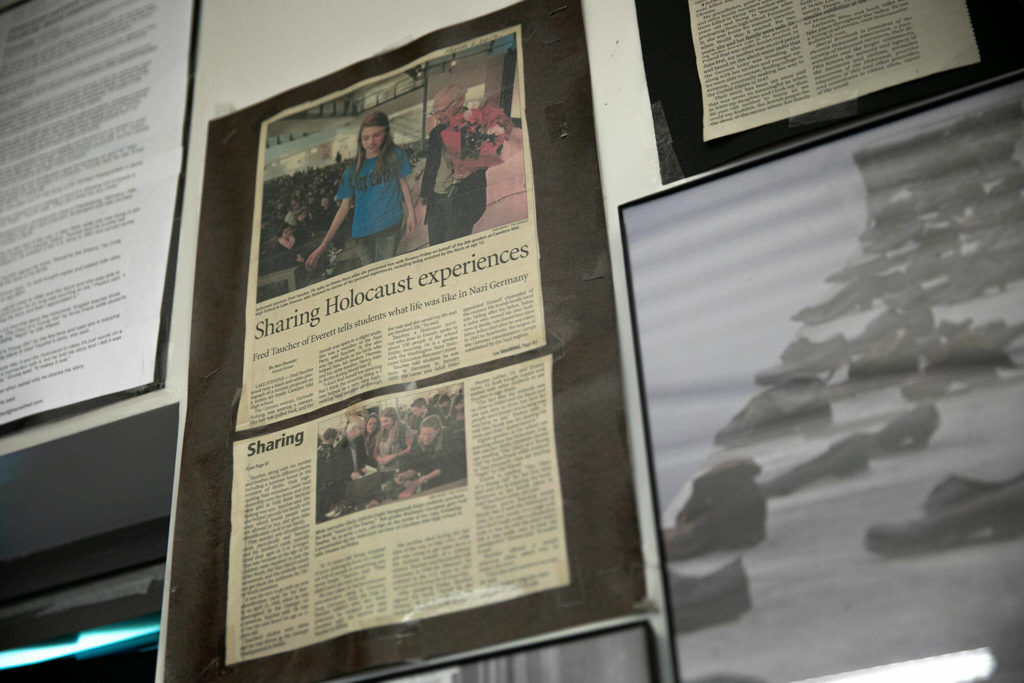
x=831 y=345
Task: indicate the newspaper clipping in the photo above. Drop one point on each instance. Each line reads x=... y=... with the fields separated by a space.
x=397 y=509
x=761 y=61
x=394 y=233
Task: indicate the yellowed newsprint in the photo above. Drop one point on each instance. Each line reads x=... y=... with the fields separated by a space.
x=380 y=514
x=365 y=274
x=761 y=61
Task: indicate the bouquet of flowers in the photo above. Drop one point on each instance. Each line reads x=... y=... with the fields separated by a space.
x=475 y=137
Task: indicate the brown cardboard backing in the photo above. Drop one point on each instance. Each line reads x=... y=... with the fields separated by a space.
x=599 y=506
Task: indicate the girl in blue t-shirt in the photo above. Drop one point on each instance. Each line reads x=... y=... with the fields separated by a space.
x=376 y=182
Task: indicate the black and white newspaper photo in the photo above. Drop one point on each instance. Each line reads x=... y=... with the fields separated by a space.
x=394 y=233
x=399 y=508
x=831 y=345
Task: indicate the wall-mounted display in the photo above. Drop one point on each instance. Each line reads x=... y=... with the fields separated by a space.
x=760 y=63
x=831 y=344
x=91 y=139
x=727 y=79
x=405 y=432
